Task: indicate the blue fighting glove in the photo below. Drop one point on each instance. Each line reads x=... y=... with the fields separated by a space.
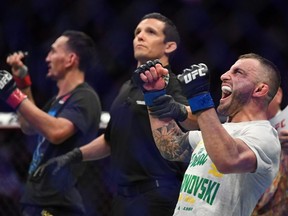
x=195 y=84
x=166 y=107
x=149 y=96
x=8 y=90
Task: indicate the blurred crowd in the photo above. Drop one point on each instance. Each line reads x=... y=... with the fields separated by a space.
x=210 y=32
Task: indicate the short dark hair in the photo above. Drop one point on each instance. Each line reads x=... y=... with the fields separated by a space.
x=170 y=31
x=84 y=47
x=272 y=76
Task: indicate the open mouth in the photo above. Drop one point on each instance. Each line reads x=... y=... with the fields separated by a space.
x=226 y=91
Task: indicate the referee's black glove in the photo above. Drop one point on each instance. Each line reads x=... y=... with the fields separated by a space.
x=57 y=163
x=166 y=107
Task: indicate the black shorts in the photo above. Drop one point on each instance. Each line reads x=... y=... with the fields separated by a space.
x=29 y=210
x=144 y=201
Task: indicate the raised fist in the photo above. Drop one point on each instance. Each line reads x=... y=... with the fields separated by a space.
x=148 y=78
x=19 y=70
x=8 y=90
x=195 y=84
x=152 y=79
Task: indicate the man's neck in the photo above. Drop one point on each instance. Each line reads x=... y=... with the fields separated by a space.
x=69 y=83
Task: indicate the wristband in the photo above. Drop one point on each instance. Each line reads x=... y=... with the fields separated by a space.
x=16 y=98
x=23 y=79
x=201 y=102
x=150 y=96
x=22 y=82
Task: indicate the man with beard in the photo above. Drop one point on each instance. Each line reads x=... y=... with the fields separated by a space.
x=231 y=164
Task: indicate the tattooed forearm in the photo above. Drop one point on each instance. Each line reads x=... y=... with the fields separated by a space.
x=172 y=142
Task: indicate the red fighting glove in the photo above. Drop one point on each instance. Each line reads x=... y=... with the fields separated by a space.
x=8 y=90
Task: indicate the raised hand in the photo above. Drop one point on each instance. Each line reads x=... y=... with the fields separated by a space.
x=152 y=78
x=19 y=69
x=56 y=164
x=196 y=85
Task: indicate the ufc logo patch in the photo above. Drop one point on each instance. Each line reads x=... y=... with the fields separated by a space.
x=5 y=79
x=200 y=71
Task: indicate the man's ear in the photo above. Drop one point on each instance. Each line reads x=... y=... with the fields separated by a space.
x=72 y=59
x=170 y=47
x=261 y=90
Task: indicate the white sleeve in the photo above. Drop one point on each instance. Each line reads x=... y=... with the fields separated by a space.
x=264 y=142
x=194 y=138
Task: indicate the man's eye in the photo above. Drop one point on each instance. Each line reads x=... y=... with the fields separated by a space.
x=151 y=32
x=238 y=72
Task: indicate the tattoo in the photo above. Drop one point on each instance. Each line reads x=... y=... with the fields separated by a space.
x=172 y=142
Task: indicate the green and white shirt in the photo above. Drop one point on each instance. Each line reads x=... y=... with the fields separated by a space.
x=205 y=191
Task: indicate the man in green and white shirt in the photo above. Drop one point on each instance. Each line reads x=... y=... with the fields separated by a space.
x=231 y=164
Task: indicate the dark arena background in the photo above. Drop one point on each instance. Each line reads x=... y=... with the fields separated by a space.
x=212 y=32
